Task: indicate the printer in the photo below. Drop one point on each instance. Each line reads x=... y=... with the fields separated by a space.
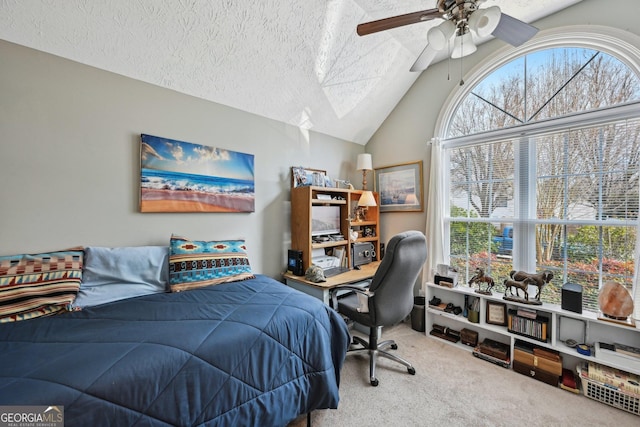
x=319 y=258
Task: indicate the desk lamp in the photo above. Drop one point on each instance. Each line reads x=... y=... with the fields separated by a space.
x=366 y=200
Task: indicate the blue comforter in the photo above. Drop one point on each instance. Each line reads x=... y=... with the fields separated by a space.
x=238 y=354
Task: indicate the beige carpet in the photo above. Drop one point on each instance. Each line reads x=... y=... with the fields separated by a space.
x=453 y=388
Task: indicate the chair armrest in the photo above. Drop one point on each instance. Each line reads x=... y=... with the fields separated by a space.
x=333 y=293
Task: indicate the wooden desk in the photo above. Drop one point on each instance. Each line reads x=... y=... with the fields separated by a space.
x=321 y=290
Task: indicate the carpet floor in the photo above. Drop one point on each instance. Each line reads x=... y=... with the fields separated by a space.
x=453 y=388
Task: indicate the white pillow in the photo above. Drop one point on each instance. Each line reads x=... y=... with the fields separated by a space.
x=112 y=274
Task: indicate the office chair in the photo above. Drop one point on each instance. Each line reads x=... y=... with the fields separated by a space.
x=389 y=297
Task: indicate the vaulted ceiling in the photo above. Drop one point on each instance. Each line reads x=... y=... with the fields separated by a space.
x=298 y=62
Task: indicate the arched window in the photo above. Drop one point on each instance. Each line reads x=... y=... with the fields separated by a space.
x=543 y=162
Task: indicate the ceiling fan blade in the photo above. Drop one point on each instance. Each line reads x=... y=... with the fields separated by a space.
x=513 y=31
x=424 y=60
x=397 y=21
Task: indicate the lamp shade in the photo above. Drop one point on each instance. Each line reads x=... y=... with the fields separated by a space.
x=411 y=199
x=463 y=45
x=439 y=36
x=484 y=21
x=367 y=199
x=364 y=162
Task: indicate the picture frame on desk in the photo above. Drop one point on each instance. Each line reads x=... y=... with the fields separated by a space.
x=304 y=177
x=496 y=313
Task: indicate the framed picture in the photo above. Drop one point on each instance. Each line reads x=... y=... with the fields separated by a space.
x=496 y=313
x=400 y=187
x=178 y=176
x=304 y=177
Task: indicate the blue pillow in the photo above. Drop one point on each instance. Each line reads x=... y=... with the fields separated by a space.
x=112 y=274
x=197 y=263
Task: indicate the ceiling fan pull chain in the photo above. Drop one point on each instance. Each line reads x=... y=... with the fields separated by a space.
x=449 y=60
x=462 y=48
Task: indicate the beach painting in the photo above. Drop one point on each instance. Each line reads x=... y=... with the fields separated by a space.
x=177 y=176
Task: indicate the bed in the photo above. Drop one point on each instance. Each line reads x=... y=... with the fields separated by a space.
x=248 y=352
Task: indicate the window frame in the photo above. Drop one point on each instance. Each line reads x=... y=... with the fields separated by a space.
x=620 y=44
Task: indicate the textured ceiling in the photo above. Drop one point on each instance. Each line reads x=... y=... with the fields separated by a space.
x=298 y=62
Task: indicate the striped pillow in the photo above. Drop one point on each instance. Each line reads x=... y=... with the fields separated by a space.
x=37 y=285
x=194 y=264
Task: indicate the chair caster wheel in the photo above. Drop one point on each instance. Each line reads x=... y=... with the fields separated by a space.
x=374 y=382
x=394 y=346
x=412 y=371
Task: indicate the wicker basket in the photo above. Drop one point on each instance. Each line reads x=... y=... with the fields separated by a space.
x=610 y=396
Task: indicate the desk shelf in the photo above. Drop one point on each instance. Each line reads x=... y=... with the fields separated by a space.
x=302 y=201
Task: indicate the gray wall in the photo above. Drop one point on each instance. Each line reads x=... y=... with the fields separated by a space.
x=69 y=160
x=404 y=135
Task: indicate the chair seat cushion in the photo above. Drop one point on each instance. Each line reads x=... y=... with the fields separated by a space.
x=348 y=305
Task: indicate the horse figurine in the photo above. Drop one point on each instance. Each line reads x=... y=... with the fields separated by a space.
x=481 y=278
x=510 y=284
x=522 y=280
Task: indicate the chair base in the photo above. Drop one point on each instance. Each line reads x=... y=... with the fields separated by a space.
x=375 y=349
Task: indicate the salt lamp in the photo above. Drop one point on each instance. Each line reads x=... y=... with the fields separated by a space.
x=615 y=301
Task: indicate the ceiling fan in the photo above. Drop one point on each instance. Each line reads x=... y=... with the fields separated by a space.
x=462 y=19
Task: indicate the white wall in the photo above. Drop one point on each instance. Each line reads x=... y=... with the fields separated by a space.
x=404 y=135
x=69 y=160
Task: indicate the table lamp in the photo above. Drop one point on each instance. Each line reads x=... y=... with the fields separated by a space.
x=364 y=164
x=366 y=200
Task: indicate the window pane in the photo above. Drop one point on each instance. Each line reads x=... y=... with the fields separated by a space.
x=590 y=256
x=481 y=181
x=586 y=207
x=479 y=245
x=543 y=85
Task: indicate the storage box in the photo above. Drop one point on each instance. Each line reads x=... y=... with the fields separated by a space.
x=469 y=337
x=541 y=363
x=536 y=373
x=537 y=362
x=494 y=349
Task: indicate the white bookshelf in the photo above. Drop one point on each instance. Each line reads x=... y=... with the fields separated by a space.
x=582 y=327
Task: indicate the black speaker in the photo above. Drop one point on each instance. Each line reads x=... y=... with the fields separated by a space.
x=381 y=251
x=572 y=297
x=294 y=263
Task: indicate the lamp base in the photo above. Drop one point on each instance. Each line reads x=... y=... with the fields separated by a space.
x=361 y=213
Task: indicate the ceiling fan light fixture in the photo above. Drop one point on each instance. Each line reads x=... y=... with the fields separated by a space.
x=484 y=21
x=439 y=36
x=463 y=45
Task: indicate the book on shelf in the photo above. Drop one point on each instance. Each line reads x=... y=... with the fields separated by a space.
x=505 y=363
x=340 y=253
x=627 y=350
x=612 y=354
x=528 y=313
x=623 y=381
x=533 y=328
x=569 y=382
